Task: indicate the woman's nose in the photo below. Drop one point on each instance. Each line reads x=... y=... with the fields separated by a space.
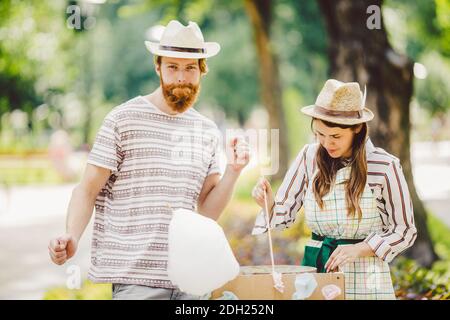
x=327 y=143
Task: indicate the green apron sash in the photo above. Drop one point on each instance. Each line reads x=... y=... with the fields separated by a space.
x=318 y=257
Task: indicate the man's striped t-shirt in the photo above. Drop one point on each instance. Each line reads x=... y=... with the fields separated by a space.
x=158 y=163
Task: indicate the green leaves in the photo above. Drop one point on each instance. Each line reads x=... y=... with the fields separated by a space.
x=414 y=282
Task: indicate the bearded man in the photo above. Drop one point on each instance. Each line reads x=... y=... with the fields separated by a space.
x=152 y=155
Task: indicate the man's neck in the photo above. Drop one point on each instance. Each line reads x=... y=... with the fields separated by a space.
x=157 y=99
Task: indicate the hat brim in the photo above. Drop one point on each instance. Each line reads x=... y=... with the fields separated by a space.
x=212 y=48
x=367 y=116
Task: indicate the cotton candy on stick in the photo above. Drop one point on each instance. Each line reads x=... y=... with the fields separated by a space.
x=277 y=277
x=200 y=258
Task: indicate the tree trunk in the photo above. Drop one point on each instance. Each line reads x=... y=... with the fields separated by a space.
x=364 y=55
x=260 y=14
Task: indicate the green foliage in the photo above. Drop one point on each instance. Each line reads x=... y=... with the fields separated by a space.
x=26 y=172
x=123 y=66
x=431 y=92
x=414 y=282
x=232 y=83
x=300 y=41
x=82 y=72
x=439 y=233
x=421 y=29
x=88 y=291
x=35 y=53
x=443 y=24
x=298 y=126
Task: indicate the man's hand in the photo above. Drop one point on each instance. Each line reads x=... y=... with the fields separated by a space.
x=79 y=213
x=238 y=154
x=62 y=248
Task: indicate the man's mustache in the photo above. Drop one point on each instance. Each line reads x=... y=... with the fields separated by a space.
x=180 y=91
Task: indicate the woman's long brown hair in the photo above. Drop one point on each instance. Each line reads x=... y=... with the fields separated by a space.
x=328 y=167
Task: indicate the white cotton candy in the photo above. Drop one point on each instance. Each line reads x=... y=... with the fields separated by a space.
x=278 y=281
x=305 y=284
x=200 y=257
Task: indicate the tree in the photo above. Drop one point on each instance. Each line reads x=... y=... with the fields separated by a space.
x=35 y=64
x=360 y=54
x=260 y=14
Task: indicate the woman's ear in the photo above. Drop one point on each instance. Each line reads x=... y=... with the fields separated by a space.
x=358 y=128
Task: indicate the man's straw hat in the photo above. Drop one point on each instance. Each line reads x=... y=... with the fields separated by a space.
x=178 y=41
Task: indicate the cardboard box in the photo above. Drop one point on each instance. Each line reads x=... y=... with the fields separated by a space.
x=256 y=283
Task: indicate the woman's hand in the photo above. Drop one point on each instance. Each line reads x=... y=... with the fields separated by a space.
x=346 y=254
x=258 y=194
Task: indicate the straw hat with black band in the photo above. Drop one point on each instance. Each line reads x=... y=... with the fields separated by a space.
x=179 y=41
x=341 y=103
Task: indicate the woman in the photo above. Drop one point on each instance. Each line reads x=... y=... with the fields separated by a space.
x=355 y=197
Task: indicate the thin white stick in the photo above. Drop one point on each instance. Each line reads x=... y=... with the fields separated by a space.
x=268 y=231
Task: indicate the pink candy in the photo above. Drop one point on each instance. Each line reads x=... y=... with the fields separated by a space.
x=331 y=292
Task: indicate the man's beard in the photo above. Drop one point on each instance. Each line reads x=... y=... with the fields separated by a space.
x=180 y=97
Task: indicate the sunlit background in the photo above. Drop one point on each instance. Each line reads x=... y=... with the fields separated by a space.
x=59 y=76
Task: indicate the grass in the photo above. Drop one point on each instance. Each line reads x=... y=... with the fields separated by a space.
x=27 y=169
x=39 y=167
x=88 y=291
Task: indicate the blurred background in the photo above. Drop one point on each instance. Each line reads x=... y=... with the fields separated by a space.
x=65 y=64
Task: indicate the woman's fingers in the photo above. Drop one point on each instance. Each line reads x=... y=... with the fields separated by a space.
x=258 y=194
x=267 y=185
x=336 y=262
x=339 y=263
x=329 y=265
x=260 y=184
x=259 y=188
x=332 y=257
x=262 y=191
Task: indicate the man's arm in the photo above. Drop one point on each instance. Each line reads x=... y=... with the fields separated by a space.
x=82 y=203
x=79 y=213
x=216 y=192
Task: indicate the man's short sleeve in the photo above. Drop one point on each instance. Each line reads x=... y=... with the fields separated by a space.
x=214 y=165
x=107 y=151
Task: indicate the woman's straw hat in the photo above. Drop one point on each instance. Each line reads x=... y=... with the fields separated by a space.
x=340 y=102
